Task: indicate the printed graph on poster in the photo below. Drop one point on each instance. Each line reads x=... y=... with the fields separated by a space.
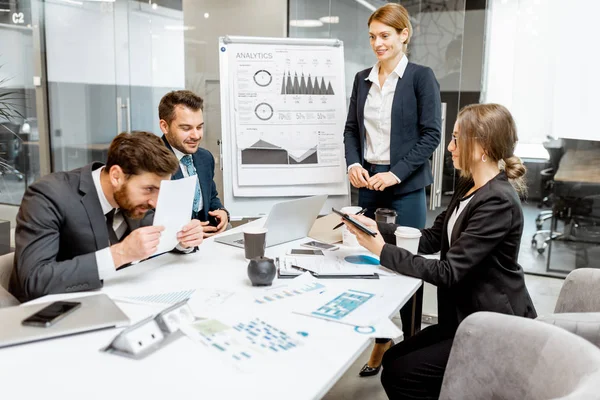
x=288 y=124
x=283 y=111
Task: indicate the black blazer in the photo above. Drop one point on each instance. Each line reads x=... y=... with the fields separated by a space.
x=415 y=129
x=60 y=225
x=479 y=272
x=204 y=162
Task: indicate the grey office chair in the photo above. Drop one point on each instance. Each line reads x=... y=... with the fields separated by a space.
x=578 y=306
x=6 y=267
x=497 y=356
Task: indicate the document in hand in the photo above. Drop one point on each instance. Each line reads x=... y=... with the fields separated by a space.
x=174 y=210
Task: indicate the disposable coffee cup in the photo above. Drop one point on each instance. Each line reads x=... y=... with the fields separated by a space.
x=348 y=238
x=351 y=210
x=408 y=238
x=255 y=240
x=386 y=215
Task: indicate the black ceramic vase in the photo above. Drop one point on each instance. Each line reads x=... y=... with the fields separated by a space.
x=261 y=271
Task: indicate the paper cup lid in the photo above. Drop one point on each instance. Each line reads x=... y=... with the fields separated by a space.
x=351 y=209
x=407 y=232
x=255 y=230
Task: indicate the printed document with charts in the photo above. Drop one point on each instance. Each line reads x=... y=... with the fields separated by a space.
x=333 y=263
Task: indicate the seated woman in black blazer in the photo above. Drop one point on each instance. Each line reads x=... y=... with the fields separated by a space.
x=478 y=237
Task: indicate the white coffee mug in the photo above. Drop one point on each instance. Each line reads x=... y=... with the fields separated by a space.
x=408 y=238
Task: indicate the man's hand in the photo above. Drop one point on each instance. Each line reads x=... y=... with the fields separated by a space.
x=381 y=181
x=373 y=244
x=139 y=245
x=191 y=235
x=358 y=176
x=221 y=216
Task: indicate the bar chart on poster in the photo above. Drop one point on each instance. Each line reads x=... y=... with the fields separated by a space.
x=283 y=109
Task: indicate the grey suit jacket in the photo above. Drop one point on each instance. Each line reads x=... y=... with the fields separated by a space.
x=60 y=225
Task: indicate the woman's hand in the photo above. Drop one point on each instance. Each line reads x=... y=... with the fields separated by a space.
x=358 y=176
x=373 y=244
x=381 y=181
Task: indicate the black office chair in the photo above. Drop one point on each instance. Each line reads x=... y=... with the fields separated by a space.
x=542 y=236
x=577 y=205
x=10 y=148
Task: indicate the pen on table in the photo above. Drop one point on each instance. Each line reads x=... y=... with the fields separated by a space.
x=299 y=268
x=361 y=212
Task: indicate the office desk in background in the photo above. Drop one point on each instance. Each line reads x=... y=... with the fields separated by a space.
x=577 y=185
x=74 y=368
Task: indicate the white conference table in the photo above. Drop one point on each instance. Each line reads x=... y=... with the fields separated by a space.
x=73 y=367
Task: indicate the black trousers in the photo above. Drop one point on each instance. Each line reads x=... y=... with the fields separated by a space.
x=414 y=368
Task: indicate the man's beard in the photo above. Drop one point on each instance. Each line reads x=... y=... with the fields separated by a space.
x=175 y=143
x=126 y=206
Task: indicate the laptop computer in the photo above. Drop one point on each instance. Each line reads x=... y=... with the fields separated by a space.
x=96 y=312
x=287 y=221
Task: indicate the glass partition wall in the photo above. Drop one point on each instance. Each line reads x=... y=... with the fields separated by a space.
x=109 y=63
x=19 y=139
x=549 y=83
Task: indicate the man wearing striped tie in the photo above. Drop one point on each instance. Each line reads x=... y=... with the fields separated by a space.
x=182 y=123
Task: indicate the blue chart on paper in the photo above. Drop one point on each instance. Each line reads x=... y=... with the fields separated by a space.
x=362 y=259
x=265 y=336
x=343 y=305
x=244 y=340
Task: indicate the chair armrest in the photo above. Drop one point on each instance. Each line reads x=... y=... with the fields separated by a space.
x=7 y=299
x=585 y=325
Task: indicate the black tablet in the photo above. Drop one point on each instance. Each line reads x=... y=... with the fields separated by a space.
x=354 y=222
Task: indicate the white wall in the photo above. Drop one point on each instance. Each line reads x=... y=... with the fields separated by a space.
x=542 y=64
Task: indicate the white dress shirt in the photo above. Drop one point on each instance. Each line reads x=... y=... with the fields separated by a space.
x=104 y=258
x=183 y=168
x=378 y=114
x=452 y=221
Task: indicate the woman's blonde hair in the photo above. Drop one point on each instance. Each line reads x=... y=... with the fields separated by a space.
x=397 y=17
x=494 y=128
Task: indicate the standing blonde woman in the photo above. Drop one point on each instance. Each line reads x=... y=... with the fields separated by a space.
x=478 y=237
x=393 y=127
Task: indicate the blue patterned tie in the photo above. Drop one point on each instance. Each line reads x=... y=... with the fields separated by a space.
x=188 y=162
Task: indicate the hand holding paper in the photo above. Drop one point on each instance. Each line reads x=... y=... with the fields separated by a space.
x=173 y=211
x=191 y=234
x=139 y=245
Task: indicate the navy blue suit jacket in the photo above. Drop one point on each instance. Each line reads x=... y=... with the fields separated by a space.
x=415 y=129
x=204 y=162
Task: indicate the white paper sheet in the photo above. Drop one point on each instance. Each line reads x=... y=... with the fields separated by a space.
x=351 y=307
x=174 y=210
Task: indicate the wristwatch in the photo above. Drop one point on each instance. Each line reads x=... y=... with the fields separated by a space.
x=228 y=216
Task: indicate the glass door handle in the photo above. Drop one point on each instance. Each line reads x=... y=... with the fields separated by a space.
x=120 y=107
x=119 y=115
x=437 y=166
x=128 y=115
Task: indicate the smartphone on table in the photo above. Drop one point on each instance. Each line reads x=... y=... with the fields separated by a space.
x=305 y=252
x=319 y=245
x=52 y=313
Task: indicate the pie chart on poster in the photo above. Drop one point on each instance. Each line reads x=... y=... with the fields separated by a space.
x=362 y=259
